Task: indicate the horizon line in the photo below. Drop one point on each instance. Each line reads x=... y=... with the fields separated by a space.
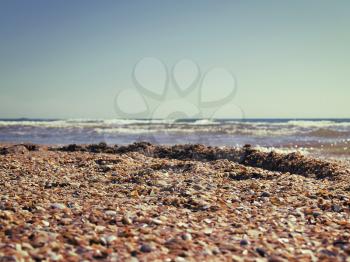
x=176 y=119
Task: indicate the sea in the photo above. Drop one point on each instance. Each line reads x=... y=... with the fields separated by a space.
x=324 y=138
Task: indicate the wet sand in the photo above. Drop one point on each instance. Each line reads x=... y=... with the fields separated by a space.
x=145 y=202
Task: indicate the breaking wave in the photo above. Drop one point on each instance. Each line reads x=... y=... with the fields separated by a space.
x=327 y=135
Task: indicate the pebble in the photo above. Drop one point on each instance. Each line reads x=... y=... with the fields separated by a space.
x=106 y=240
x=265 y=194
x=261 y=251
x=207 y=252
x=111 y=238
x=58 y=206
x=126 y=220
x=244 y=242
x=45 y=223
x=208 y=221
x=208 y=231
x=316 y=214
x=180 y=259
x=145 y=248
x=106 y=168
x=100 y=228
x=157 y=221
x=111 y=213
x=103 y=241
x=337 y=208
x=186 y=236
x=216 y=251
x=161 y=183
x=55 y=257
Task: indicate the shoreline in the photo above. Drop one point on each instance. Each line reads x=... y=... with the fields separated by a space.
x=170 y=203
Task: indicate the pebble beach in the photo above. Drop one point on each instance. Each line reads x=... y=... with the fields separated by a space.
x=146 y=202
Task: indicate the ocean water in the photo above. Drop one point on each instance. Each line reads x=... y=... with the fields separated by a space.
x=328 y=138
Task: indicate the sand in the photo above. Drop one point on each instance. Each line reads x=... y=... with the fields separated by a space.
x=144 y=202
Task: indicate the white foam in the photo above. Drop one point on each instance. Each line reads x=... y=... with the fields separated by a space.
x=282 y=150
x=317 y=123
x=204 y=122
x=122 y=130
x=258 y=129
x=83 y=122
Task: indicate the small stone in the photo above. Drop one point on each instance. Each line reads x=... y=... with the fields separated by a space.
x=316 y=214
x=103 y=241
x=45 y=223
x=18 y=247
x=27 y=246
x=111 y=213
x=106 y=240
x=126 y=220
x=208 y=231
x=244 y=242
x=181 y=224
x=157 y=221
x=186 y=236
x=111 y=238
x=184 y=254
x=208 y=221
x=239 y=258
x=161 y=183
x=337 y=208
x=40 y=239
x=340 y=242
x=146 y=248
x=265 y=194
x=58 y=206
x=253 y=233
x=207 y=252
x=216 y=251
x=180 y=259
x=55 y=257
x=328 y=253
x=106 y=168
x=100 y=228
x=163 y=218
x=261 y=251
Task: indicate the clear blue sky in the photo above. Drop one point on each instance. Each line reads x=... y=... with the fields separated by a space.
x=70 y=58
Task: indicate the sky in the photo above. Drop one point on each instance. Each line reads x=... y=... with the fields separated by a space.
x=70 y=59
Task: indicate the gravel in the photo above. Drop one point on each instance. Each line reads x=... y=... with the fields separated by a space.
x=144 y=202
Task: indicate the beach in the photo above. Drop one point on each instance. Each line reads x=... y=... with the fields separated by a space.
x=150 y=202
x=174 y=131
